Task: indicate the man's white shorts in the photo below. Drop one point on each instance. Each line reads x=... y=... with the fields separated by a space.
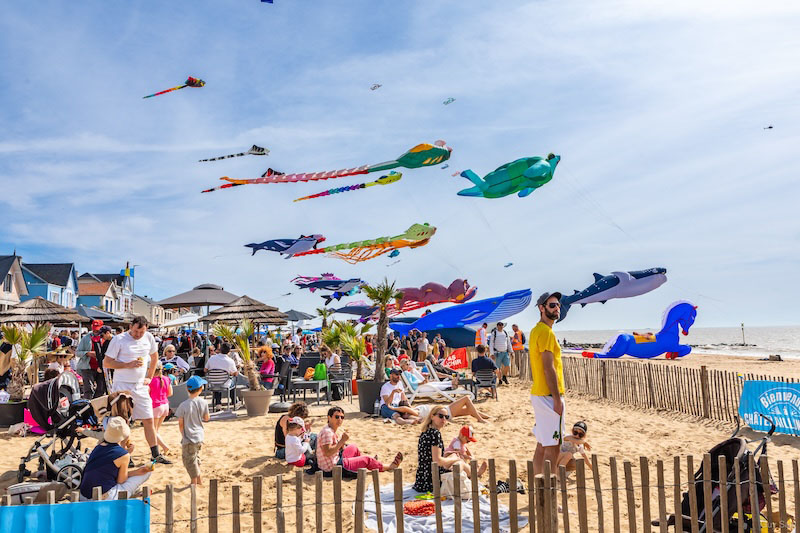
x=549 y=426
x=142 y=403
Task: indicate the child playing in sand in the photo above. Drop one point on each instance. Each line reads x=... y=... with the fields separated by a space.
x=191 y=414
x=459 y=447
x=575 y=443
x=296 y=442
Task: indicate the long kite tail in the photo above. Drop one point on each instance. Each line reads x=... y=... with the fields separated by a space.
x=255 y=150
x=292 y=178
x=166 y=91
x=383 y=180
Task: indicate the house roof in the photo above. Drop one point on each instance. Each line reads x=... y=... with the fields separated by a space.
x=6 y=262
x=93 y=289
x=145 y=299
x=119 y=280
x=54 y=273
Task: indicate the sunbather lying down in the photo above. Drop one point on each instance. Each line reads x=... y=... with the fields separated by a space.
x=461 y=407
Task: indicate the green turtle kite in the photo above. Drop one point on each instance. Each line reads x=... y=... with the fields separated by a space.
x=522 y=176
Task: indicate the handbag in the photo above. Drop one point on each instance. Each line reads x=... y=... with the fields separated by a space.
x=448 y=484
x=309 y=375
x=320 y=372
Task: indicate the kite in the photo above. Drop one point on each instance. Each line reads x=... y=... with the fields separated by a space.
x=415 y=236
x=255 y=150
x=456 y=173
x=508 y=265
x=769 y=127
x=329 y=282
x=459 y=291
x=489 y=310
x=449 y=101
x=615 y=285
x=302 y=281
x=383 y=180
x=288 y=247
x=649 y=345
x=522 y=176
x=375 y=87
x=445 y=166
x=395 y=253
x=422 y=155
x=190 y=82
x=393 y=263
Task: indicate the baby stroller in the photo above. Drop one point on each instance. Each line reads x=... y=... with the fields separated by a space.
x=59 y=455
x=735 y=451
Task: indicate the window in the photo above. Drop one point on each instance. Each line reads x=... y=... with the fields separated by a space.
x=7 y=283
x=54 y=297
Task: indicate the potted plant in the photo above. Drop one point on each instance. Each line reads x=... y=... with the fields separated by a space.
x=381 y=296
x=29 y=345
x=256 y=399
x=324 y=313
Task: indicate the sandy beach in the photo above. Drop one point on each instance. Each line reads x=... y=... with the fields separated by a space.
x=236 y=450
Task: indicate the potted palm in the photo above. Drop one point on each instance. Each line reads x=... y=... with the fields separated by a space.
x=256 y=399
x=29 y=345
x=381 y=296
x=324 y=313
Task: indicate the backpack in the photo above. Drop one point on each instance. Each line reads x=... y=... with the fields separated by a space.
x=522 y=337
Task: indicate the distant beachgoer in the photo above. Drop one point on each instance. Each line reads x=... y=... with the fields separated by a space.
x=191 y=414
x=547 y=391
x=160 y=391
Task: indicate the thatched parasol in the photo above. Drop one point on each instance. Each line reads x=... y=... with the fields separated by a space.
x=247 y=308
x=40 y=310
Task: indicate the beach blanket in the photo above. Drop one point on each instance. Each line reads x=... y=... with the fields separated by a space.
x=426 y=524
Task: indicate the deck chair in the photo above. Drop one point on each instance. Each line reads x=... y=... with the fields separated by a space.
x=179 y=395
x=342 y=375
x=431 y=393
x=220 y=384
x=486 y=379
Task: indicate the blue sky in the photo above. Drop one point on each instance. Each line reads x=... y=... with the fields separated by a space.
x=656 y=108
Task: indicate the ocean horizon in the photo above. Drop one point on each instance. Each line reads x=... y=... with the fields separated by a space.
x=759 y=341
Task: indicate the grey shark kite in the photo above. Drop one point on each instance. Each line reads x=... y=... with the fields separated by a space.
x=288 y=247
x=615 y=285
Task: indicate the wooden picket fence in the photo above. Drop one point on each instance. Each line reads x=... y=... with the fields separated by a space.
x=699 y=392
x=555 y=504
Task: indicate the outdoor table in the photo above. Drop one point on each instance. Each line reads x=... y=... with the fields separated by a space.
x=469 y=384
x=318 y=384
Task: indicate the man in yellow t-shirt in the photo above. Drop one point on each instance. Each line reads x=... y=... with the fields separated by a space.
x=547 y=391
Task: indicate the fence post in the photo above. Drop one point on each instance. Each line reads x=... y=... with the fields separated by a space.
x=692 y=487
x=630 y=497
x=169 y=517
x=376 y=484
x=580 y=481
x=476 y=505
x=562 y=476
x=212 y=506
x=51 y=497
x=97 y=494
x=257 y=484
x=533 y=512
x=279 y=516
x=763 y=464
x=644 y=473
x=550 y=498
x=193 y=511
x=706 y=396
x=707 y=489
x=598 y=492
x=493 y=497
x=457 y=497
x=437 y=497
x=6 y=500
x=337 y=497
x=512 y=496
x=751 y=471
x=662 y=499
x=236 y=509
x=298 y=515
x=612 y=464
x=540 y=515
x=781 y=498
x=318 y=499
x=398 y=500
x=605 y=379
x=651 y=395
x=676 y=488
x=737 y=477
x=723 y=491
x=359 y=509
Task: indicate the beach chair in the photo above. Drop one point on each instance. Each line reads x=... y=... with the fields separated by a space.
x=486 y=379
x=429 y=392
x=179 y=395
x=342 y=375
x=220 y=384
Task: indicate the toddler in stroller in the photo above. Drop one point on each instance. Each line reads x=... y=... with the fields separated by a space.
x=59 y=456
x=735 y=452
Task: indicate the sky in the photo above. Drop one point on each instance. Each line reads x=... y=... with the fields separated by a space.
x=657 y=109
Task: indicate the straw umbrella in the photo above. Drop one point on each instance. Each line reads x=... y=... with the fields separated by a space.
x=246 y=308
x=40 y=310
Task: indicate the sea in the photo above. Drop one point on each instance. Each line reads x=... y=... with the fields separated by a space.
x=757 y=341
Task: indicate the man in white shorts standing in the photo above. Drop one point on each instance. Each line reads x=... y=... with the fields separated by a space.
x=547 y=391
x=133 y=356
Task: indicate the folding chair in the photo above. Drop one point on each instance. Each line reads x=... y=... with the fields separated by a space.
x=486 y=379
x=219 y=383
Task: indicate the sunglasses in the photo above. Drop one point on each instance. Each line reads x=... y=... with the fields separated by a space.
x=338 y=417
x=443 y=416
x=553 y=305
x=579 y=434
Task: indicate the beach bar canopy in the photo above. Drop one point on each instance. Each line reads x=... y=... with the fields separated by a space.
x=40 y=310
x=249 y=309
x=202 y=295
x=297 y=316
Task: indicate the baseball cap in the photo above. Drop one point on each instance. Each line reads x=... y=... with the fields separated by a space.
x=395 y=371
x=500 y=324
x=97 y=324
x=195 y=382
x=116 y=430
x=297 y=420
x=546 y=296
x=169 y=366
x=468 y=432
x=105 y=329
x=581 y=425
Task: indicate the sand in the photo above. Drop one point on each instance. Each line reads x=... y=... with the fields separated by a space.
x=236 y=450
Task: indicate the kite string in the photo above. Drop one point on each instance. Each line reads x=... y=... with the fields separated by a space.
x=593 y=204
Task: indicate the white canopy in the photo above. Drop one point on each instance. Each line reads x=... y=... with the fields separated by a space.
x=188 y=318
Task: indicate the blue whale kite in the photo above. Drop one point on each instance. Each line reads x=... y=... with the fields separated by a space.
x=648 y=345
x=615 y=285
x=488 y=310
x=288 y=247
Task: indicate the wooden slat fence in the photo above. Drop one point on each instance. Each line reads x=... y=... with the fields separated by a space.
x=648 y=492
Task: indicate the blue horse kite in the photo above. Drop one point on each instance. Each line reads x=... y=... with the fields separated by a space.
x=648 y=345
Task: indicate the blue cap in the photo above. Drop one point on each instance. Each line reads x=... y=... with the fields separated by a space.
x=195 y=382
x=169 y=366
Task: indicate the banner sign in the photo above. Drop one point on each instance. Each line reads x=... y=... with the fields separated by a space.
x=778 y=400
x=456 y=360
x=110 y=516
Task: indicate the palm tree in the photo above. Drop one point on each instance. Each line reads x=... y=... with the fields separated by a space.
x=29 y=345
x=382 y=295
x=324 y=312
x=355 y=347
x=242 y=341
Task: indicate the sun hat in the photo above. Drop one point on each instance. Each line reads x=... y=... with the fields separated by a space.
x=194 y=383
x=469 y=433
x=546 y=296
x=116 y=430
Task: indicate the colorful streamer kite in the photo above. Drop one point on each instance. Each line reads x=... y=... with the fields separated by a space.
x=255 y=150
x=415 y=236
x=422 y=155
x=190 y=82
x=383 y=180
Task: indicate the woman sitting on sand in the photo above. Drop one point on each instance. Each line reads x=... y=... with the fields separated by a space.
x=297 y=409
x=333 y=450
x=431 y=450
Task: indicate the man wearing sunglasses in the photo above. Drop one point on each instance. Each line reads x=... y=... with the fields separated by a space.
x=547 y=391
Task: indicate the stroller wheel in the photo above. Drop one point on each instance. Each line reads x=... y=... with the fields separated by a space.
x=71 y=476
